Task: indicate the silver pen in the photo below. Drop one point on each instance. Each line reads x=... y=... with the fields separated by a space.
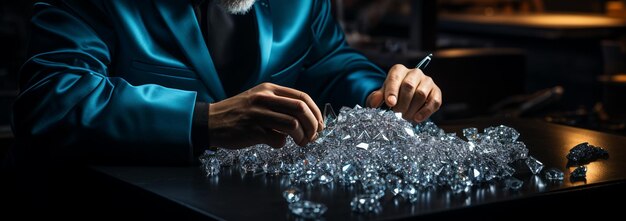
x=424 y=62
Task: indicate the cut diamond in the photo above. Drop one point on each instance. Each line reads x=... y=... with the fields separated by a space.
x=534 y=165
x=292 y=195
x=554 y=174
x=365 y=203
x=307 y=209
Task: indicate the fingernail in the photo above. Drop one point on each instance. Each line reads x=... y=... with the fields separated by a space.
x=392 y=100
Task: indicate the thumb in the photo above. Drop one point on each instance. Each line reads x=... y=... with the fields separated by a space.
x=375 y=99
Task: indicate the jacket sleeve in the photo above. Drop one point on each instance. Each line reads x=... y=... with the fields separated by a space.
x=70 y=109
x=337 y=74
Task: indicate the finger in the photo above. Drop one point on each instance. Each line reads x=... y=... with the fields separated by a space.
x=407 y=89
x=419 y=96
x=392 y=84
x=295 y=108
x=277 y=121
x=375 y=99
x=296 y=94
x=275 y=139
x=433 y=102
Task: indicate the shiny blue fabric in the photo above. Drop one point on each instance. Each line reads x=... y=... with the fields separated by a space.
x=117 y=80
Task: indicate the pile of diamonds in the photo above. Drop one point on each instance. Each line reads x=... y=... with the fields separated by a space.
x=383 y=153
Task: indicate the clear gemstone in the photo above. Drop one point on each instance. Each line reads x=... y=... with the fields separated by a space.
x=513 y=183
x=325 y=179
x=374 y=186
x=471 y=133
x=211 y=166
x=394 y=184
x=363 y=146
x=274 y=166
x=554 y=174
x=349 y=173
x=534 y=165
x=329 y=114
x=366 y=203
x=410 y=193
x=307 y=209
x=382 y=151
x=292 y=194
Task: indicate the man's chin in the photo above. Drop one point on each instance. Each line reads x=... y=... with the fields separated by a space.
x=236 y=7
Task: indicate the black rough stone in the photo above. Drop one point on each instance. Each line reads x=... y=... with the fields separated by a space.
x=580 y=173
x=585 y=153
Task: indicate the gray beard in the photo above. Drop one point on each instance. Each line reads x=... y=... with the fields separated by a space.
x=236 y=7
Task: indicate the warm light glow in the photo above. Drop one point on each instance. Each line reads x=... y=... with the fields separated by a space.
x=616 y=78
x=621 y=78
x=568 y=20
x=545 y=20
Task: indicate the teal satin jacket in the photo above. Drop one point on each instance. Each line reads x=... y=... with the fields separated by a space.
x=117 y=80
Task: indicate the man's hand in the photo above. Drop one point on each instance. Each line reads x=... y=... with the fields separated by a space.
x=265 y=114
x=408 y=91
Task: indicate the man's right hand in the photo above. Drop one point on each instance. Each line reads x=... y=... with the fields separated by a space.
x=265 y=114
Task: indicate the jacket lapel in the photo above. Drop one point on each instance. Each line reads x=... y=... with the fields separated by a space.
x=266 y=37
x=180 y=19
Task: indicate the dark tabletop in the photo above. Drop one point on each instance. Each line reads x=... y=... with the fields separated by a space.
x=233 y=196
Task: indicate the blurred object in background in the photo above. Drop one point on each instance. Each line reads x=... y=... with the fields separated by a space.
x=616 y=9
x=414 y=21
x=614 y=79
x=526 y=104
x=575 y=6
x=491 y=7
x=609 y=113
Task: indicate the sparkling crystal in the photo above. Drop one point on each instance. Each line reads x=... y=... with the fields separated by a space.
x=309 y=176
x=250 y=162
x=329 y=114
x=409 y=131
x=227 y=158
x=513 y=183
x=398 y=115
x=325 y=179
x=363 y=136
x=363 y=146
x=374 y=186
x=580 y=173
x=211 y=165
x=534 y=165
x=292 y=194
x=366 y=203
x=471 y=133
x=585 y=153
x=349 y=173
x=274 y=166
x=410 y=193
x=554 y=174
x=461 y=185
x=307 y=209
x=502 y=134
x=381 y=151
x=394 y=184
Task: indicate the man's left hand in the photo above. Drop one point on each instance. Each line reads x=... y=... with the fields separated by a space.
x=408 y=91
